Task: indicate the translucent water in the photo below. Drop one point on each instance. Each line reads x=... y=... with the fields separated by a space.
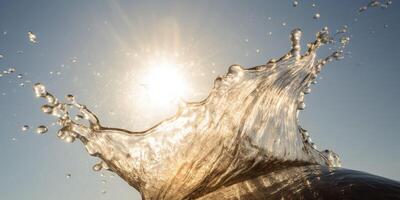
x=32 y=37
x=247 y=126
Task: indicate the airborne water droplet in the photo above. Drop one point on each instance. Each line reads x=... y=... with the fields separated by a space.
x=295 y=3
x=32 y=37
x=317 y=16
x=97 y=167
x=301 y=106
x=70 y=98
x=69 y=139
x=24 y=128
x=47 y=109
x=40 y=90
x=41 y=129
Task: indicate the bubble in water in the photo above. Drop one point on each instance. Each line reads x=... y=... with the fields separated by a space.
x=24 y=128
x=40 y=90
x=295 y=3
x=32 y=37
x=41 y=129
x=317 y=16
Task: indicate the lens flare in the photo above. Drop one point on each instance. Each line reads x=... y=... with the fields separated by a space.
x=164 y=83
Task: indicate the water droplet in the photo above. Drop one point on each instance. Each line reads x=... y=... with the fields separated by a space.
x=41 y=129
x=68 y=175
x=374 y=4
x=20 y=76
x=317 y=16
x=74 y=59
x=1 y=56
x=314 y=146
x=24 y=128
x=307 y=90
x=40 y=90
x=32 y=37
x=70 y=98
x=11 y=70
x=97 y=167
x=283 y=23
x=78 y=117
x=295 y=3
x=47 y=109
x=301 y=106
x=103 y=181
x=69 y=139
x=103 y=192
x=362 y=9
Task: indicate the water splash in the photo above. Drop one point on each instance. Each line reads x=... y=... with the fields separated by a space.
x=247 y=126
x=375 y=4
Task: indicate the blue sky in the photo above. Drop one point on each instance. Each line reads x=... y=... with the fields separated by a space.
x=100 y=51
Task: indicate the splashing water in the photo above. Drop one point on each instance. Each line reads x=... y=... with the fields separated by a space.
x=375 y=4
x=247 y=126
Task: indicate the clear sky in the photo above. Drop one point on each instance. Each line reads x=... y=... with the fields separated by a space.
x=105 y=53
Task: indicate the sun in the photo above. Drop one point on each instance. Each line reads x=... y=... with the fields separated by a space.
x=164 y=83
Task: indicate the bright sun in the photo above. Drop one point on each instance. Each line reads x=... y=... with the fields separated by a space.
x=164 y=83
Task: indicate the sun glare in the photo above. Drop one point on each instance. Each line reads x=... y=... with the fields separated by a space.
x=164 y=83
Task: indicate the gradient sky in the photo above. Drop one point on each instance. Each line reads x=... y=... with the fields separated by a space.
x=353 y=109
